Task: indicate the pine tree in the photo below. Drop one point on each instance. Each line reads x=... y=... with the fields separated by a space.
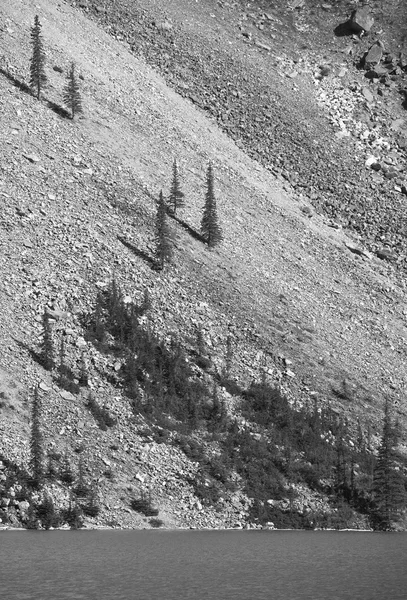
x=62 y=366
x=72 y=96
x=176 y=199
x=65 y=473
x=47 y=347
x=389 y=493
x=163 y=235
x=38 y=78
x=210 y=227
x=36 y=442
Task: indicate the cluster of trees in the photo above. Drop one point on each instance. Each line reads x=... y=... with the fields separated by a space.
x=44 y=468
x=280 y=447
x=38 y=76
x=211 y=231
x=157 y=377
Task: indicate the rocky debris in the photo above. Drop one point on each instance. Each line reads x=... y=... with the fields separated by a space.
x=76 y=246
x=361 y=20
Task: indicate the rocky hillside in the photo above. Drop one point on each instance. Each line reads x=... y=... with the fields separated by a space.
x=307 y=285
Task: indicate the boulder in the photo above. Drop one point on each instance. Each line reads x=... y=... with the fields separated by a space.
x=375 y=55
x=361 y=20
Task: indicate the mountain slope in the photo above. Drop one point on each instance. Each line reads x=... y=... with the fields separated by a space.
x=283 y=285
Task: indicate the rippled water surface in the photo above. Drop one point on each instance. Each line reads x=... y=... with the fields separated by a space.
x=202 y=565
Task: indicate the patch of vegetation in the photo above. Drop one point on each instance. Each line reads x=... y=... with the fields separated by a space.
x=156 y=523
x=144 y=506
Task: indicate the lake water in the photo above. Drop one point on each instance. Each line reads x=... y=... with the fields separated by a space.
x=202 y=565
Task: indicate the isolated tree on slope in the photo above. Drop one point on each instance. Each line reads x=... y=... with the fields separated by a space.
x=72 y=96
x=163 y=236
x=210 y=227
x=36 y=442
x=47 y=347
x=389 y=494
x=38 y=78
x=176 y=199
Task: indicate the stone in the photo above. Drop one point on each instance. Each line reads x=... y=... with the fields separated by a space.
x=361 y=20
x=66 y=395
x=31 y=157
x=44 y=387
x=81 y=342
x=57 y=314
x=368 y=95
x=374 y=56
x=357 y=250
x=163 y=26
x=386 y=254
x=397 y=124
x=370 y=161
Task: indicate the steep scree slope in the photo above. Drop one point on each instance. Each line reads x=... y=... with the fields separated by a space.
x=282 y=284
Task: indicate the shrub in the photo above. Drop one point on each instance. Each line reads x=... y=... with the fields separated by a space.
x=144 y=506
x=156 y=523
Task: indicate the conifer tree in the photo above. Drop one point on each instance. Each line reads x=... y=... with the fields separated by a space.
x=389 y=494
x=47 y=347
x=62 y=366
x=66 y=474
x=36 y=442
x=38 y=78
x=210 y=227
x=176 y=199
x=72 y=96
x=163 y=236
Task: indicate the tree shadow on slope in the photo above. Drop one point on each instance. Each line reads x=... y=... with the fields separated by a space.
x=16 y=82
x=138 y=252
x=24 y=87
x=59 y=110
x=36 y=356
x=192 y=232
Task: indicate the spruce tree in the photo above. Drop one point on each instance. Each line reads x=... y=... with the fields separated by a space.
x=36 y=442
x=47 y=347
x=72 y=96
x=38 y=78
x=176 y=199
x=389 y=494
x=163 y=236
x=210 y=227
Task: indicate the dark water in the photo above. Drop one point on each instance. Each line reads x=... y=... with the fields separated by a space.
x=202 y=565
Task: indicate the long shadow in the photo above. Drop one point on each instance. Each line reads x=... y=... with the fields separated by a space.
x=195 y=234
x=36 y=356
x=140 y=253
x=59 y=110
x=343 y=29
x=16 y=82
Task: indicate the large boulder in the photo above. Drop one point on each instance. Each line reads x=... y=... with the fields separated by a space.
x=361 y=20
x=374 y=56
